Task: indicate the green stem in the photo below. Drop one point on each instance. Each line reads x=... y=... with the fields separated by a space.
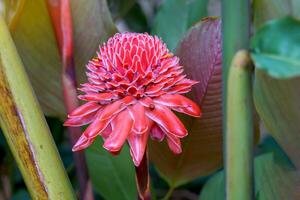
x=235 y=29
x=239 y=132
x=26 y=130
x=236 y=32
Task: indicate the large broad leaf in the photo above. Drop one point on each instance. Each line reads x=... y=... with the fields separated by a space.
x=278 y=104
x=276 y=48
x=264 y=10
x=275 y=179
x=200 y=54
x=35 y=41
x=175 y=17
x=276 y=89
x=112 y=176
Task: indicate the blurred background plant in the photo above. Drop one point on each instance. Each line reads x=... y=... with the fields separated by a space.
x=36 y=28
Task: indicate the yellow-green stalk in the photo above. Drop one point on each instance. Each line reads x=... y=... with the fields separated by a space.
x=26 y=130
x=239 y=130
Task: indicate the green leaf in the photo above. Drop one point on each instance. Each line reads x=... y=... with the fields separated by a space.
x=265 y=10
x=277 y=102
x=175 y=17
x=112 y=176
x=197 y=10
x=275 y=179
x=200 y=54
x=171 y=22
x=295 y=8
x=276 y=48
x=36 y=44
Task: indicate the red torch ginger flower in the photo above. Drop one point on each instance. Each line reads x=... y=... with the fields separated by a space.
x=133 y=84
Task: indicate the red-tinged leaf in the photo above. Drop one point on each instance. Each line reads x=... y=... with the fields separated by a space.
x=200 y=54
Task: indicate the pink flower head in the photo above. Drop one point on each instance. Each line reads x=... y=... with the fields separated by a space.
x=133 y=84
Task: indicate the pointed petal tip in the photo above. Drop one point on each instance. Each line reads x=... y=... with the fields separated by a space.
x=68 y=122
x=137 y=159
x=195 y=112
x=112 y=147
x=76 y=148
x=136 y=163
x=115 y=153
x=167 y=120
x=177 y=151
x=82 y=143
x=174 y=144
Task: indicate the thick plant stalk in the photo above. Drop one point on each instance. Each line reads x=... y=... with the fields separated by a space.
x=60 y=12
x=240 y=128
x=235 y=32
x=143 y=178
x=235 y=29
x=26 y=130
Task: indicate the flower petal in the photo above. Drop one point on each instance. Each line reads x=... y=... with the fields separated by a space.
x=82 y=143
x=115 y=107
x=140 y=124
x=146 y=101
x=106 y=132
x=98 y=97
x=174 y=144
x=97 y=127
x=179 y=103
x=156 y=133
x=85 y=109
x=138 y=143
x=165 y=118
x=80 y=120
x=121 y=127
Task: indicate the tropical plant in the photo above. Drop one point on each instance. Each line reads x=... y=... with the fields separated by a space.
x=63 y=62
